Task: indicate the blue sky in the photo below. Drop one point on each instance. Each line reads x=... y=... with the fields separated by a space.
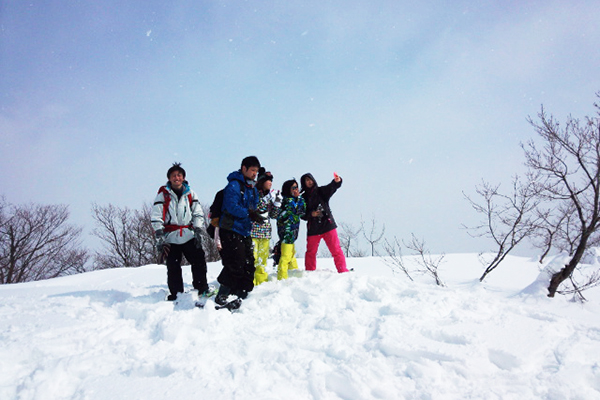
x=412 y=104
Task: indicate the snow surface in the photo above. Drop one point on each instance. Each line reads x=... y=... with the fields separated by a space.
x=367 y=334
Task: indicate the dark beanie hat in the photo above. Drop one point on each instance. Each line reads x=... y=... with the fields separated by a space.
x=176 y=167
x=264 y=175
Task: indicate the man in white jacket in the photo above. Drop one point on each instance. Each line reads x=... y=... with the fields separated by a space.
x=177 y=220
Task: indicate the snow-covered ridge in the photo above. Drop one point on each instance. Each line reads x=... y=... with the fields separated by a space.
x=368 y=334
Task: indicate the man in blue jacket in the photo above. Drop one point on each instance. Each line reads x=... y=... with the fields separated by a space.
x=240 y=200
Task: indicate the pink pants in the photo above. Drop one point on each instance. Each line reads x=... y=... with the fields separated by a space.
x=333 y=244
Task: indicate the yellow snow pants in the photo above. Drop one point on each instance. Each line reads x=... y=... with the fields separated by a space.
x=287 y=260
x=261 y=255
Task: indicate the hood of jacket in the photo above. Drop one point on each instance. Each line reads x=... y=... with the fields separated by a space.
x=238 y=176
x=235 y=208
x=303 y=185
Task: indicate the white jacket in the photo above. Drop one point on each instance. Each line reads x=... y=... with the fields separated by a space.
x=182 y=216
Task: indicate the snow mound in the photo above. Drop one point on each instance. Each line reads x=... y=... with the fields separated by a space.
x=367 y=334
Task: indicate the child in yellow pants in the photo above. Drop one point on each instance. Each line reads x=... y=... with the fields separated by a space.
x=288 y=260
x=292 y=209
x=268 y=207
x=261 y=255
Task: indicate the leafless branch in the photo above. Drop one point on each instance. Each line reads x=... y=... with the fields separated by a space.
x=348 y=235
x=36 y=242
x=569 y=162
x=507 y=218
x=429 y=263
x=371 y=235
x=394 y=257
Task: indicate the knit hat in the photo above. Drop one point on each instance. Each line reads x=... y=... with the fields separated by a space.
x=176 y=167
x=263 y=176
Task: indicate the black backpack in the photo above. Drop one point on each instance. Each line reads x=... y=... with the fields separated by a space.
x=217 y=205
x=215 y=211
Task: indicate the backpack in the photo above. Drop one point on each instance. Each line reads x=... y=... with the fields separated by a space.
x=216 y=212
x=167 y=196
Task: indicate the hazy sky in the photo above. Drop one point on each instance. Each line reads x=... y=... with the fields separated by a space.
x=411 y=104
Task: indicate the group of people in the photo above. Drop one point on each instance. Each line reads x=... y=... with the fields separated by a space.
x=242 y=228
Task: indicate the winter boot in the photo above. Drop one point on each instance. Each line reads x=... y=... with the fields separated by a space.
x=222 y=295
x=210 y=290
x=172 y=297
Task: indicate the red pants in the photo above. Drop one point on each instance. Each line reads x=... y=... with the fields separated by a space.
x=333 y=244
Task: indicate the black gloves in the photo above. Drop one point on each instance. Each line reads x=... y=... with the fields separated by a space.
x=160 y=240
x=162 y=247
x=255 y=216
x=198 y=238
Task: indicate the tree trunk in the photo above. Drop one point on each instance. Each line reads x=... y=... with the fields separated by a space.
x=566 y=272
x=548 y=247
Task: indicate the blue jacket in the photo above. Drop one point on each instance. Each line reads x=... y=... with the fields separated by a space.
x=236 y=203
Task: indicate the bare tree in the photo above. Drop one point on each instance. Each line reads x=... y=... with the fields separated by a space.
x=576 y=288
x=429 y=263
x=508 y=219
x=394 y=257
x=371 y=235
x=348 y=235
x=323 y=252
x=569 y=160
x=358 y=253
x=550 y=229
x=142 y=238
x=127 y=236
x=208 y=244
x=560 y=229
x=37 y=243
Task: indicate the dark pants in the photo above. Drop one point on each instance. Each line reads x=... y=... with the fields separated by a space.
x=238 y=261
x=196 y=258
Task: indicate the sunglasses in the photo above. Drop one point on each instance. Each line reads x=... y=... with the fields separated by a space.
x=294 y=187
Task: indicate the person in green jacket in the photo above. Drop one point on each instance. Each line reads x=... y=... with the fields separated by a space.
x=293 y=207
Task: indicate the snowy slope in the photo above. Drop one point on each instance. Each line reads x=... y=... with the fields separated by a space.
x=368 y=334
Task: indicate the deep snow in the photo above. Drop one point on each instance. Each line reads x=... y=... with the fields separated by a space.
x=368 y=334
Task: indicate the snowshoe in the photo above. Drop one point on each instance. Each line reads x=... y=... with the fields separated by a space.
x=230 y=305
x=222 y=295
x=204 y=296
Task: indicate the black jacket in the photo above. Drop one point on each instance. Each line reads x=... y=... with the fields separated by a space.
x=317 y=198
